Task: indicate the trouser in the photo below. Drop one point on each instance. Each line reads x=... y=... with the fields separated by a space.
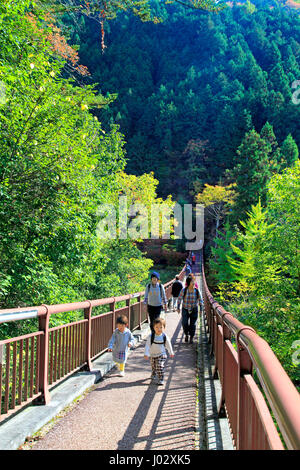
x=154 y=312
x=158 y=366
x=189 y=321
x=175 y=300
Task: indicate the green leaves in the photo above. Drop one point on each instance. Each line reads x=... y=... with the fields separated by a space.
x=57 y=165
x=264 y=290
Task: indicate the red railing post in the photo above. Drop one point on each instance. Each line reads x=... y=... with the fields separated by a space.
x=226 y=337
x=88 y=336
x=128 y=310
x=44 y=357
x=245 y=366
x=140 y=311
x=112 y=308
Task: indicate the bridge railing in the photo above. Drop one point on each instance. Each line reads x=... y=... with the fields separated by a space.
x=247 y=405
x=30 y=365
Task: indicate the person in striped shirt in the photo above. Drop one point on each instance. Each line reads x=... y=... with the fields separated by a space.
x=190 y=297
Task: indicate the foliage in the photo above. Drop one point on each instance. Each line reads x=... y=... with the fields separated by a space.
x=258 y=158
x=264 y=290
x=217 y=201
x=57 y=166
x=220 y=269
x=184 y=105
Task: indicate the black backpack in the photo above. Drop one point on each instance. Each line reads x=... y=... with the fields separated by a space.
x=153 y=335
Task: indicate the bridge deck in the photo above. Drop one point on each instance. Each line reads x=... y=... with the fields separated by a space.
x=131 y=413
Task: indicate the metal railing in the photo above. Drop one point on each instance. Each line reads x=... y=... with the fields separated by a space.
x=247 y=404
x=33 y=363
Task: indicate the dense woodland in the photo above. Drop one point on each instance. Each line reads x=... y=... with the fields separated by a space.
x=189 y=88
x=162 y=103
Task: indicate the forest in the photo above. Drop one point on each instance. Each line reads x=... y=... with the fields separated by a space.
x=163 y=102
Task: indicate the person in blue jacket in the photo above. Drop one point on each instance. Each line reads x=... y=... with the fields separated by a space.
x=120 y=342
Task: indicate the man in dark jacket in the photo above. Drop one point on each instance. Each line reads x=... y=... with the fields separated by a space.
x=176 y=289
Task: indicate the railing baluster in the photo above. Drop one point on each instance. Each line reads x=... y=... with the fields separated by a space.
x=59 y=355
x=88 y=317
x=26 y=374
x=7 y=377
x=14 y=376
x=51 y=336
x=20 y=372
x=62 y=367
x=32 y=366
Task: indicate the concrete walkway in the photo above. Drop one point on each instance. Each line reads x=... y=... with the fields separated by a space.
x=130 y=413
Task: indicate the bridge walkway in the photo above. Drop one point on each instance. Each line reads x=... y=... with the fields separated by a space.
x=131 y=413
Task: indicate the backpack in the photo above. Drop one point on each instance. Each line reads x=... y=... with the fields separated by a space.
x=153 y=335
x=177 y=286
x=160 y=288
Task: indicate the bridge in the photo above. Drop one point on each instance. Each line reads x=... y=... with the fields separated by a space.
x=226 y=391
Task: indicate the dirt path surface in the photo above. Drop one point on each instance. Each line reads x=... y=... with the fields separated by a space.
x=131 y=413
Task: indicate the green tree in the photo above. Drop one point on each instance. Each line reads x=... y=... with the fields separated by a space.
x=220 y=268
x=289 y=152
x=251 y=172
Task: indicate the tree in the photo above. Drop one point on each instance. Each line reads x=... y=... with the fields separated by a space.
x=251 y=172
x=249 y=265
x=283 y=210
x=289 y=152
x=217 y=200
x=57 y=165
x=103 y=10
x=219 y=265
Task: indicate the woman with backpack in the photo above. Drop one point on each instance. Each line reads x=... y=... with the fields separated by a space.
x=155 y=298
x=190 y=298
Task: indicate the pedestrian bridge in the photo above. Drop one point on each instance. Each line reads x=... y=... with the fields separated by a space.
x=212 y=398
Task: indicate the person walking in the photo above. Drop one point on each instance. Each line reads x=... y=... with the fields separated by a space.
x=155 y=298
x=157 y=345
x=121 y=340
x=193 y=276
x=188 y=268
x=190 y=298
x=176 y=289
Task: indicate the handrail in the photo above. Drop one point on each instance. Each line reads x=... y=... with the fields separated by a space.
x=282 y=395
x=31 y=363
x=6 y=315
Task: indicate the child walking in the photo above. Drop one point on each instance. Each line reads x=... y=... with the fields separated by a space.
x=156 y=345
x=121 y=340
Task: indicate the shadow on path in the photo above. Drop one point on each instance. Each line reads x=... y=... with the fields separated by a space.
x=173 y=424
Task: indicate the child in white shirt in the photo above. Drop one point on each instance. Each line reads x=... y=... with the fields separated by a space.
x=156 y=345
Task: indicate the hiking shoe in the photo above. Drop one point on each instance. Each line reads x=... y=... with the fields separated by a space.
x=122 y=373
x=160 y=382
